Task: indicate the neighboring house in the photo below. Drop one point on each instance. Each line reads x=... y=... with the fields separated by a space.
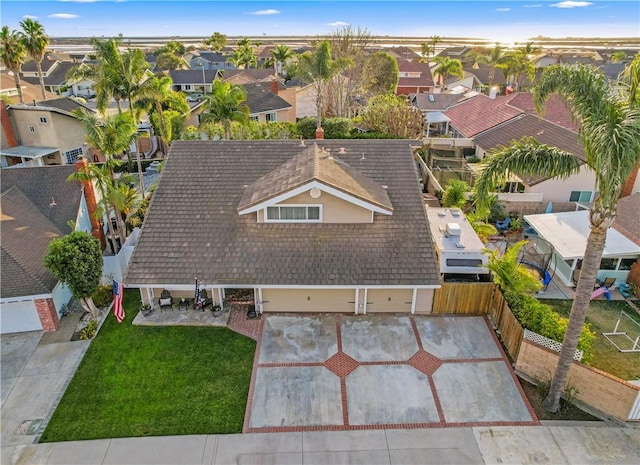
x=209 y=60
x=478 y=114
x=54 y=72
x=247 y=76
x=432 y=107
x=555 y=109
x=319 y=226
x=568 y=58
x=483 y=71
x=613 y=70
x=267 y=105
x=402 y=53
x=46 y=133
x=37 y=206
x=189 y=80
x=414 y=77
x=579 y=187
x=265 y=56
x=461 y=253
x=567 y=233
x=460 y=85
x=305 y=99
x=30 y=92
x=457 y=53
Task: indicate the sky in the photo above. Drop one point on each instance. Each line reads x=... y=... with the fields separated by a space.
x=504 y=21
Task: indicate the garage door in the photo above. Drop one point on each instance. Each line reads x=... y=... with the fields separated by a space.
x=16 y=317
x=389 y=300
x=308 y=300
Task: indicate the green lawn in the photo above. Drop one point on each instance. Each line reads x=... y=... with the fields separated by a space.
x=153 y=381
x=603 y=316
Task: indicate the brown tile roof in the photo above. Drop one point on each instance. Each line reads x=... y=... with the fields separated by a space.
x=26 y=233
x=480 y=113
x=193 y=228
x=627 y=220
x=435 y=102
x=41 y=184
x=249 y=75
x=555 y=109
x=541 y=130
x=425 y=79
x=314 y=164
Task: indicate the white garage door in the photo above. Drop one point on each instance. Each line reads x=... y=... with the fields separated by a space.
x=16 y=317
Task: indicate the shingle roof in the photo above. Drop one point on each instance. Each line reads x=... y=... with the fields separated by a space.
x=41 y=184
x=541 y=130
x=479 y=113
x=435 y=102
x=213 y=57
x=314 y=164
x=26 y=233
x=192 y=76
x=192 y=227
x=482 y=72
x=250 y=75
x=555 y=109
x=260 y=98
x=32 y=67
x=627 y=220
x=425 y=79
x=65 y=104
x=56 y=78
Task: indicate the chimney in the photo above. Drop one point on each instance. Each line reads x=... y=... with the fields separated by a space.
x=274 y=87
x=90 y=198
x=493 y=92
x=7 y=127
x=319 y=133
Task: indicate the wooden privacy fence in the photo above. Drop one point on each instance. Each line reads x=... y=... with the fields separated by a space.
x=481 y=299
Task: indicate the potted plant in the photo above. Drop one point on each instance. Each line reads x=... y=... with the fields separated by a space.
x=216 y=310
x=146 y=309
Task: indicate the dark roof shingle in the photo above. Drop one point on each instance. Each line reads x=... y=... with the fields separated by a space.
x=260 y=98
x=192 y=227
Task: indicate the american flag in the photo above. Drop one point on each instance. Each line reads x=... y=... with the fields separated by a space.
x=197 y=296
x=118 y=309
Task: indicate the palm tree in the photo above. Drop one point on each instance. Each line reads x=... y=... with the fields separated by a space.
x=610 y=134
x=529 y=49
x=225 y=105
x=35 y=41
x=13 y=53
x=318 y=67
x=111 y=137
x=281 y=53
x=447 y=67
x=517 y=67
x=216 y=42
x=435 y=40
x=493 y=58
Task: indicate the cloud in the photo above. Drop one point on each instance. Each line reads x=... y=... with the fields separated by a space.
x=337 y=24
x=270 y=11
x=537 y=5
x=503 y=10
x=571 y=4
x=29 y=17
x=63 y=16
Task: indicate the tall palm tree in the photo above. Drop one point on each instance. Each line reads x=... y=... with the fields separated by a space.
x=447 y=67
x=493 y=58
x=225 y=105
x=281 y=53
x=35 y=41
x=610 y=134
x=517 y=67
x=318 y=67
x=13 y=53
x=111 y=137
x=216 y=42
x=434 y=40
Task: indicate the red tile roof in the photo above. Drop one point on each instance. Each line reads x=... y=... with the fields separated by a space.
x=627 y=220
x=555 y=109
x=480 y=113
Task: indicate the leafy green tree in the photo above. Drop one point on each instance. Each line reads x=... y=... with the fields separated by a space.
x=318 y=68
x=454 y=193
x=216 y=42
x=610 y=135
x=509 y=275
x=380 y=74
x=35 y=41
x=390 y=114
x=172 y=47
x=225 y=105
x=447 y=67
x=13 y=54
x=281 y=53
x=167 y=61
x=76 y=259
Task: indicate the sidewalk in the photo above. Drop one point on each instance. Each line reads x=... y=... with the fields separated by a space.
x=482 y=445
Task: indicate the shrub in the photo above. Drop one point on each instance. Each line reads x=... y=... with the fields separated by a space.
x=103 y=296
x=336 y=128
x=89 y=331
x=307 y=127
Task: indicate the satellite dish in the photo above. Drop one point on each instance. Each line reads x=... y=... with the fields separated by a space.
x=315 y=193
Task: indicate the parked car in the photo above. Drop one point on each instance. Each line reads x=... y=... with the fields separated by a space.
x=194 y=97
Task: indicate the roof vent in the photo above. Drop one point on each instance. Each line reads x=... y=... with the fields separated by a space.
x=455 y=213
x=453 y=229
x=362 y=158
x=442 y=214
x=342 y=150
x=301 y=142
x=460 y=245
x=384 y=186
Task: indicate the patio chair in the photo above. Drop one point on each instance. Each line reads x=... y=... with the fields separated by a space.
x=503 y=225
x=204 y=301
x=165 y=301
x=608 y=282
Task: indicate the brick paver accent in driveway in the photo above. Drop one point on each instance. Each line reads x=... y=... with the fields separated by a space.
x=345 y=372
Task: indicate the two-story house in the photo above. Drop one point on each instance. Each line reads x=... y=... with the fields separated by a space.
x=327 y=225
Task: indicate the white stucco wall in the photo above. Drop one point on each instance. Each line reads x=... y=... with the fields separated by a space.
x=559 y=190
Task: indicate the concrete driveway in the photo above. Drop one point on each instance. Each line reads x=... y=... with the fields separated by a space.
x=353 y=372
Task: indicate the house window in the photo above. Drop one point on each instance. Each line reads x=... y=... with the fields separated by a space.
x=32 y=129
x=299 y=213
x=43 y=120
x=608 y=263
x=581 y=196
x=270 y=117
x=468 y=262
x=72 y=155
x=254 y=118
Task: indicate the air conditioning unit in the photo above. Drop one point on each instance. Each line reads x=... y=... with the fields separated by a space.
x=453 y=229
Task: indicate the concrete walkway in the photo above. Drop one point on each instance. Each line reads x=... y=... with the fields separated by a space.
x=481 y=445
